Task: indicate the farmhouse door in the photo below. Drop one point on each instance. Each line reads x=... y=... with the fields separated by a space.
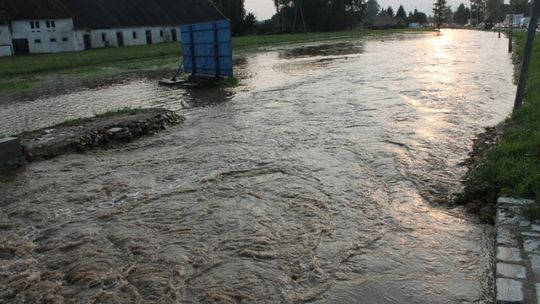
x=20 y=46
x=120 y=39
x=87 y=42
x=173 y=34
x=148 y=37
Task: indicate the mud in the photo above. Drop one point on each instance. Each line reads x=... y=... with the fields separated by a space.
x=313 y=181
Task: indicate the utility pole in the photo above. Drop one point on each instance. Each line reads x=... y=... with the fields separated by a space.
x=498 y=24
x=510 y=32
x=531 y=33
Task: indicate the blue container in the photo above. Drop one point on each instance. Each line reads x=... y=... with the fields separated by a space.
x=207 y=48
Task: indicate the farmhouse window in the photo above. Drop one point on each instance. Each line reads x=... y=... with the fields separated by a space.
x=64 y=39
x=37 y=40
x=53 y=39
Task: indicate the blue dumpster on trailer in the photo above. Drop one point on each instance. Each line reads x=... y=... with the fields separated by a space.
x=207 y=49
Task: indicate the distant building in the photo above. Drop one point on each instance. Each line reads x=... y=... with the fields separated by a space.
x=385 y=21
x=516 y=20
x=472 y=22
x=50 y=26
x=5 y=40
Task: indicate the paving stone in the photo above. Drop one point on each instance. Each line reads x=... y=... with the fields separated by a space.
x=511 y=271
x=531 y=245
x=10 y=151
x=508 y=254
x=537 y=287
x=505 y=236
x=509 y=291
x=531 y=234
x=535 y=264
x=512 y=201
x=524 y=223
x=535 y=227
x=507 y=216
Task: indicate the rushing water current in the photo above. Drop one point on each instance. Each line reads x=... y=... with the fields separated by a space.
x=313 y=181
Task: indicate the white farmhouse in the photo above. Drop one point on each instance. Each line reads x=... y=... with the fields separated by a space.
x=6 y=49
x=50 y=26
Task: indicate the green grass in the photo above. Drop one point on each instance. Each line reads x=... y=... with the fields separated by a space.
x=512 y=166
x=78 y=121
x=20 y=73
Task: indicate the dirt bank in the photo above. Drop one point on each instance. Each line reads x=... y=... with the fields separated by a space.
x=481 y=145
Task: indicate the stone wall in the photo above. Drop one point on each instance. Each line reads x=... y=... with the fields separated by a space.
x=517 y=253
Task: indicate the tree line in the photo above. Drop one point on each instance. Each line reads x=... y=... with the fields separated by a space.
x=330 y=15
x=487 y=11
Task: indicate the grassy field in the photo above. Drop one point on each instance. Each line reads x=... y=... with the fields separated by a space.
x=512 y=166
x=19 y=73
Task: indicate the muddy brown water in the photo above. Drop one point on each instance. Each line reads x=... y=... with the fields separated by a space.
x=314 y=181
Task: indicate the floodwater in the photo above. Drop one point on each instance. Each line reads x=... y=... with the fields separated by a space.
x=314 y=181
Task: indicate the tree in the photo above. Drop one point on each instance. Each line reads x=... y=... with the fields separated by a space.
x=448 y=14
x=390 y=11
x=462 y=14
x=494 y=9
x=417 y=17
x=519 y=6
x=355 y=9
x=249 y=23
x=371 y=11
x=438 y=13
x=235 y=11
x=401 y=13
x=320 y=15
x=277 y=4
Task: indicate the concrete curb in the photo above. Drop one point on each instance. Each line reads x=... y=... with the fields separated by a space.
x=517 y=252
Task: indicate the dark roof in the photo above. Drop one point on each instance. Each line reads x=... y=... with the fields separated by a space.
x=123 y=13
x=32 y=9
x=112 y=13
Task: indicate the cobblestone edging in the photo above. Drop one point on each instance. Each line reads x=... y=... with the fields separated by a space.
x=517 y=253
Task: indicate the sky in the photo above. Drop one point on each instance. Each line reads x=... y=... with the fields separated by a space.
x=264 y=9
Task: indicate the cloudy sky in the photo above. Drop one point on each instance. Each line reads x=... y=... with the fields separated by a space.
x=264 y=9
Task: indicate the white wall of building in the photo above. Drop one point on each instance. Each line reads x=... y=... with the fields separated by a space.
x=6 y=49
x=61 y=36
x=132 y=36
x=57 y=37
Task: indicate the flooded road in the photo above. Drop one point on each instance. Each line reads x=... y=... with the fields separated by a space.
x=314 y=181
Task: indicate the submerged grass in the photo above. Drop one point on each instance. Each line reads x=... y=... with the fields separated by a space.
x=20 y=73
x=512 y=166
x=79 y=121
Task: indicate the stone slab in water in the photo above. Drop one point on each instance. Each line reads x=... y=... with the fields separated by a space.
x=535 y=264
x=512 y=201
x=509 y=291
x=10 y=151
x=511 y=271
x=505 y=236
x=508 y=254
x=531 y=245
